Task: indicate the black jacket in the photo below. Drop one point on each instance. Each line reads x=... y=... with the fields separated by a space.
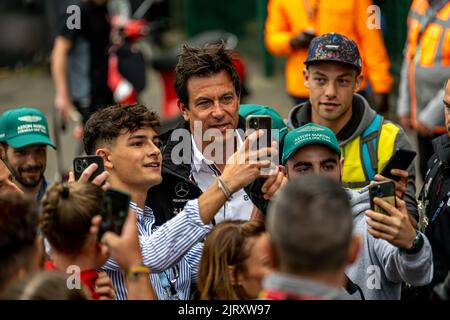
x=169 y=198
x=438 y=230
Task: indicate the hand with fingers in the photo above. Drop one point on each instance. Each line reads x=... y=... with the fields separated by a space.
x=274 y=183
x=246 y=164
x=126 y=251
x=400 y=186
x=396 y=227
x=104 y=287
x=99 y=180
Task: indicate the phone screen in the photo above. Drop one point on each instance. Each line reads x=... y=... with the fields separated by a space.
x=113 y=210
x=82 y=162
x=385 y=191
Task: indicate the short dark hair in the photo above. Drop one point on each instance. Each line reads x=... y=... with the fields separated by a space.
x=310 y=224
x=203 y=62
x=18 y=231
x=107 y=124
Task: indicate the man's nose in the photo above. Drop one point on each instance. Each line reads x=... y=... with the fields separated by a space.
x=218 y=111
x=330 y=90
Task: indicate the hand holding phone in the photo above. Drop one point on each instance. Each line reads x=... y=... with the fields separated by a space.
x=80 y=164
x=260 y=122
x=384 y=190
x=113 y=210
x=401 y=159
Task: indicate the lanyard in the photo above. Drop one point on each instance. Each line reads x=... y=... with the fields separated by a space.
x=169 y=285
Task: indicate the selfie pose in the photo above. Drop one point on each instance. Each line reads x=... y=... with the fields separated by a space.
x=392 y=250
x=126 y=139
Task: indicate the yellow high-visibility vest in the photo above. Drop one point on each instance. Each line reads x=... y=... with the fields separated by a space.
x=367 y=154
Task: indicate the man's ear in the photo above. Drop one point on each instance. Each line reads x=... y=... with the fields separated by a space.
x=341 y=163
x=105 y=154
x=306 y=77
x=353 y=249
x=184 y=110
x=359 y=80
x=2 y=151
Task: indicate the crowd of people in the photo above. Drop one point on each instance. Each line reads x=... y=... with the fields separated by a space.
x=214 y=212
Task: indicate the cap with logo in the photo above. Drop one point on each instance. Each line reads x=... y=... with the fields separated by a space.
x=22 y=127
x=309 y=134
x=334 y=47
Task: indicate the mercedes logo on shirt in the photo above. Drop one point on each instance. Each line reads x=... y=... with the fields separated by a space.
x=181 y=189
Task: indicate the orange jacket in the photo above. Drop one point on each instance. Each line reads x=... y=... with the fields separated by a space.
x=286 y=18
x=426 y=65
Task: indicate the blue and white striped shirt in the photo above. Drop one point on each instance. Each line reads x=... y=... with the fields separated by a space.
x=172 y=251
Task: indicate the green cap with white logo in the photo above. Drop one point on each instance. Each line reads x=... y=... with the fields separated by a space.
x=22 y=127
x=310 y=133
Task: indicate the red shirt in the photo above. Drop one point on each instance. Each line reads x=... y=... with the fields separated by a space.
x=88 y=277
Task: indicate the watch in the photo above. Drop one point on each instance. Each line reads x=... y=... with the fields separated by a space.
x=416 y=246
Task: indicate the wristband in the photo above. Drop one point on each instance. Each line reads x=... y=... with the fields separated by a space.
x=222 y=186
x=134 y=272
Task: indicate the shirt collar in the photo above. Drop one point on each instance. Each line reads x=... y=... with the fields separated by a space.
x=199 y=160
x=146 y=212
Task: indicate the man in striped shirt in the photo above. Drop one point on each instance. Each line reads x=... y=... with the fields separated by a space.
x=125 y=137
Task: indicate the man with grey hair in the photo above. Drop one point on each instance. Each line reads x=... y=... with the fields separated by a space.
x=311 y=246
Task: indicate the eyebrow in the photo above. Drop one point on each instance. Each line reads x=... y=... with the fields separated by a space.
x=302 y=163
x=137 y=136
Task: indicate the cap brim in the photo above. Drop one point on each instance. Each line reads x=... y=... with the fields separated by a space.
x=299 y=146
x=310 y=62
x=29 y=139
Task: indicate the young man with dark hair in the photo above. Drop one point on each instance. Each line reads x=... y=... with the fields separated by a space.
x=312 y=245
x=208 y=90
x=125 y=137
x=393 y=251
x=24 y=138
x=20 y=247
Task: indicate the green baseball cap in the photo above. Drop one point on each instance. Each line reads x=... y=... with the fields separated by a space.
x=21 y=127
x=310 y=133
x=246 y=110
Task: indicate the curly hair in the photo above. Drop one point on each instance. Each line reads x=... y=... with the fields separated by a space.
x=107 y=124
x=203 y=62
x=67 y=211
x=226 y=245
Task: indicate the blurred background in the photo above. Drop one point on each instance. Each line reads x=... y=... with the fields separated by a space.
x=28 y=29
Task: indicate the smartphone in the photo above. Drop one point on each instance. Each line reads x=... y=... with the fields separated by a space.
x=257 y=122
x=384 y=190
x=113 y=210
x=80 y=163
x=401 y=159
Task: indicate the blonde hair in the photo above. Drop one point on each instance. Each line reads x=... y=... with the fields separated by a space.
x=226 y=246
x=67 y=213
